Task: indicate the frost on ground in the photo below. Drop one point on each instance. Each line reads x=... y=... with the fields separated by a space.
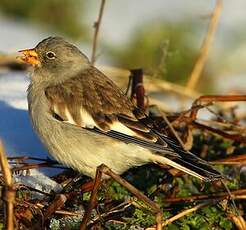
x=39 y=181
x=16 y=130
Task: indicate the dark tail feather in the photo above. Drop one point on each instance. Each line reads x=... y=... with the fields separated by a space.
x=198 y=166
x=190 y=163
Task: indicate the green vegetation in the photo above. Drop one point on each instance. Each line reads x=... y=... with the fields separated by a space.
x=57 y=15
x=165 y=50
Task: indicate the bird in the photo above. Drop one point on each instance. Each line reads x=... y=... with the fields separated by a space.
x=84 y=119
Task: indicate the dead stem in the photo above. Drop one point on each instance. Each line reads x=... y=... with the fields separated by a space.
x=114 y=211
x=179 y=215
x=173 y=130
x=215 y=98
x=236 y=137
x=183 y=213
x=56 y=204
x=97 y=27
x=9 y=190
x=28 y=166
x=237 y=194
x=138 y=91
x=233 y=160
x=203 y=54
x=238 y=221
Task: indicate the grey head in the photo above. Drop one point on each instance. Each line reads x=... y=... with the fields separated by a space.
x=56 y=59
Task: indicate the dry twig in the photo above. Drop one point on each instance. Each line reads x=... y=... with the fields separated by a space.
x=56 y=204
x=138 y=90
x=238 y=221
x=173 y=130
x=215 y=98
x=28 y=166
x=237 y=194
x=97 y=27
x=233 y=160
x=181 y=214
x=203 y=54
x=9 y=190
x=236 y=137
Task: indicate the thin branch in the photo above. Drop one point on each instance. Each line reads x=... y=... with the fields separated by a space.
x=9 y=62
x=138 y=90
x=179 y=215
x=203 y=54
x=173 y=130
x=28 y=188
x=236 y=137
x=233 y=160
x=24 y=158
x=56 y=204
x=238 y=221
x=29 y=166
x=9 y=190
x=215 y=98
x=184 y=213
x=97 y=27
x=237 y=194
x=67 y=213
x=109 y=214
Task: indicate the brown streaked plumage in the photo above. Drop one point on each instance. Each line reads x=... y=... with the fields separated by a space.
x=92 y=94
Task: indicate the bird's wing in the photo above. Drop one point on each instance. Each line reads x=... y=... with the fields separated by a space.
x=93 y=101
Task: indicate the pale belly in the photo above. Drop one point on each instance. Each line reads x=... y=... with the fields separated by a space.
x=84 y=150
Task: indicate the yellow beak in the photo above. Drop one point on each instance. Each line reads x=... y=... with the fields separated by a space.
x=30 y=56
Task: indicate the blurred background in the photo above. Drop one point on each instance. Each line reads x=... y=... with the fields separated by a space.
x=162 y=36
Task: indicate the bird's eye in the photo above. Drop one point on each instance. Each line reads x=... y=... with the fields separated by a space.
x=50 y=55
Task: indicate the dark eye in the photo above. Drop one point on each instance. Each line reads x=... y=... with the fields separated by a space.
x=50 y=55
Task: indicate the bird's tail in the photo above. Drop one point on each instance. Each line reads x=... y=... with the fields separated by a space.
x=189 y=163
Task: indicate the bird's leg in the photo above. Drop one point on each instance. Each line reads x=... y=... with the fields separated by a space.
x=103 y=169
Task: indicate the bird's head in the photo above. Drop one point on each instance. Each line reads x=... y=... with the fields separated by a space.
x=55 y=57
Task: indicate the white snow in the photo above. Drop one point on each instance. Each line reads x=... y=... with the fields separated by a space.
x=36 y=180
x=16 y=131
x=15 y=127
